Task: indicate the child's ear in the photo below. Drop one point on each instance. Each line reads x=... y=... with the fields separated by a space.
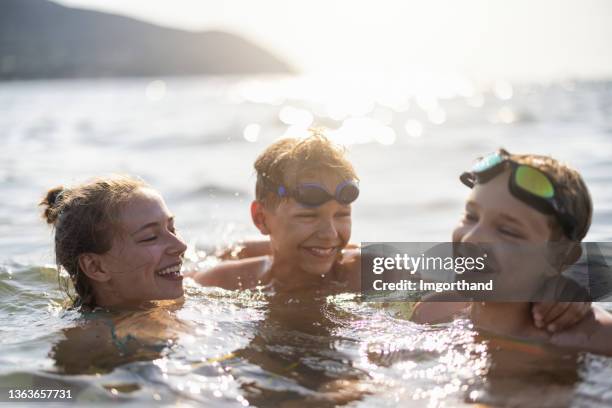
x=91 y=265
x=574 y=253
x=566 y=253
x=258 y=215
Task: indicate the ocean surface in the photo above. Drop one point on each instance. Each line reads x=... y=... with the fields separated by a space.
x=195 y=139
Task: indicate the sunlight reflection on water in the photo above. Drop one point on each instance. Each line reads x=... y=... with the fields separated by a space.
x=195 y=140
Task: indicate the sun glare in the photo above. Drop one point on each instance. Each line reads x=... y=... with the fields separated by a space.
x=480 y=38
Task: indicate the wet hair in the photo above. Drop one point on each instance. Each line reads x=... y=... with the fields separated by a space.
x=84 y=218
x=570 y=189
x=284 y=162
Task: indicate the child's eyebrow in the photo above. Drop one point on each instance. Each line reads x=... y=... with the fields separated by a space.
x=153 y=224
x=150 y=224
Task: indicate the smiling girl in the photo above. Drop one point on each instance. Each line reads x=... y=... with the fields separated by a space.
x=116 y=239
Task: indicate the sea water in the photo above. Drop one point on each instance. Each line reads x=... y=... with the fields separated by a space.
x=195 y=140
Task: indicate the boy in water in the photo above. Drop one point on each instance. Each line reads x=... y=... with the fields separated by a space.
x=303 y=198
x=309 y=227
x=525 y=201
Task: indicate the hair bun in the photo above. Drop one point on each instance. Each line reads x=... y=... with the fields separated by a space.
x=50 y=204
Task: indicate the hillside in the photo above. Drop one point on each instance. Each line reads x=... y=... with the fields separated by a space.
x=41 y=39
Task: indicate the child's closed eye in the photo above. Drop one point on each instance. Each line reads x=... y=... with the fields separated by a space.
x=470 y=217
x=510 y=232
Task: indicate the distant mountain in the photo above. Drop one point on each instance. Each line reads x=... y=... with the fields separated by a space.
x=41 y=39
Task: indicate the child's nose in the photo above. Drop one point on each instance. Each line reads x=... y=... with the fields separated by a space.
x=327 y=229
x=177 y=245
x=475 y=234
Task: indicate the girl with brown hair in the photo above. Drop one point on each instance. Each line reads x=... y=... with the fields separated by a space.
x=116 y=239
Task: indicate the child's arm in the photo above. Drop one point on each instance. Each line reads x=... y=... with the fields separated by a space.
x=232 y=275
x=253 y=248
x=246 y=249
x=553 y=317
x=593 y=333
x=559 y=316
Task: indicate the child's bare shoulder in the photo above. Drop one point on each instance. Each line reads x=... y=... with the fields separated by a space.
x=438 y=308
x=348 y=269
x=238 y=274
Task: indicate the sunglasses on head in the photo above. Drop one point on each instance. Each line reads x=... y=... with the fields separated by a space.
x=528 y=184
x=315 y=194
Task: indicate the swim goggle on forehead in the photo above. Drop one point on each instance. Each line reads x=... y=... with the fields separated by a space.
x=315 y=194
x=528 y=184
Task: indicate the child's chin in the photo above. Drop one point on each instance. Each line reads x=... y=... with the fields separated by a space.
x=319 y=270
x=175 y=294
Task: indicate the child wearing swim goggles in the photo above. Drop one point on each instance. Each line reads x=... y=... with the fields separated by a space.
x=302 y=175
x=532 y=186
x=519 y=200
x=303 y=197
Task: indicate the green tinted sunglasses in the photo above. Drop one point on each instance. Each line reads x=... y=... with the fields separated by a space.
x=529 y=184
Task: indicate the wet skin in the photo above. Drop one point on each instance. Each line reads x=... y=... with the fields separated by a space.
x=493 y=215
x=306 y=244
x=145 y=258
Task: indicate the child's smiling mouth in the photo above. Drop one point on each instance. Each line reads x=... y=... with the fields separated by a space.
x=321 y=251
x=172 y=272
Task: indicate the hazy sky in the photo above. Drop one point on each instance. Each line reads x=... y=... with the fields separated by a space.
x=482 y=38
